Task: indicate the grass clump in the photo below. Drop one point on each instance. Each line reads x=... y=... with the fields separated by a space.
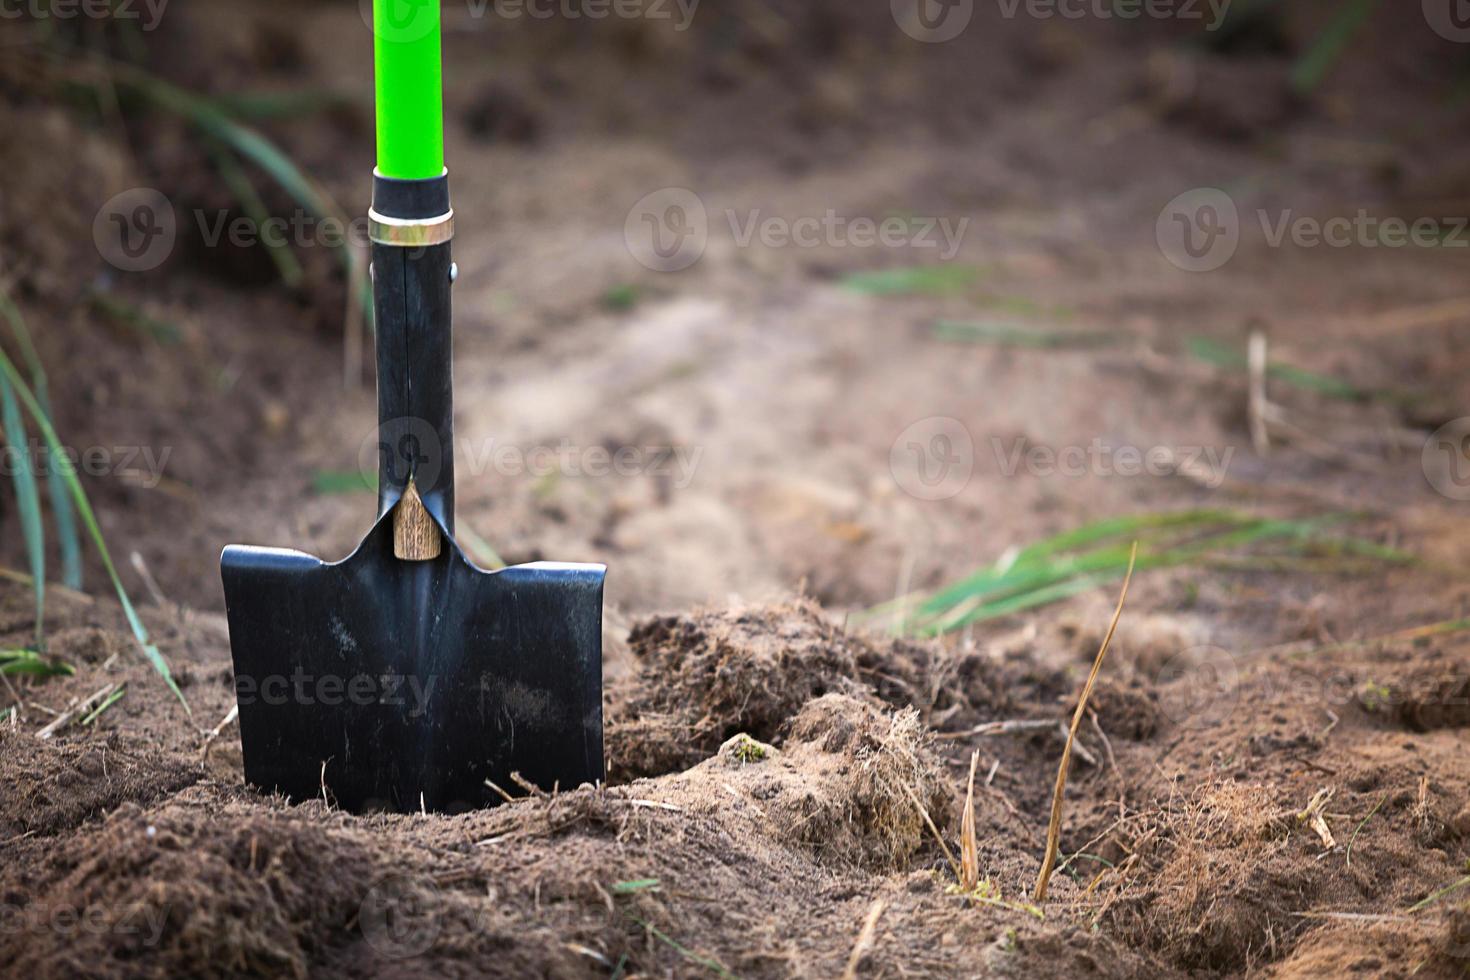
x=14 y=395
x=1096 y=554
x=745 y=750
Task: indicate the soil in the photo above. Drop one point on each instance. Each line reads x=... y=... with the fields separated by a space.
x=772 y=765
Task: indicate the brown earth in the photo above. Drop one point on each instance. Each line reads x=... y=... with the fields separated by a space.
x=764 y=753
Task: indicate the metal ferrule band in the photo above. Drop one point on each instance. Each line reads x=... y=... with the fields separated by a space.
x=410 y=232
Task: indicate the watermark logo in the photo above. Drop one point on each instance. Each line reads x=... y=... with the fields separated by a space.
x=668 y=230
x=933 y=459
x=1457 y=933
x=401 y=448
x=397 y=916
x=1446 y=459
x=1199 y=687
x=135 y=230
x=1450 y=19
x=1199 y=230
x=932 y=21
x=402 y=21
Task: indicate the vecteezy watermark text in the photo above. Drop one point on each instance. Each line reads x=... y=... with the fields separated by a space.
x=139 y=921
x=1215 y=10
x=1201 y=229
x=936 y=21
x=669 y=230
x=1098 y=458
x=330 y=690
x=405 y=446
x=676 y=463
x=934 y=458
x=832 y=230
x=681 y=12
x=147 y=12
x=143 y=465
x=404 y=21
x=300 y=229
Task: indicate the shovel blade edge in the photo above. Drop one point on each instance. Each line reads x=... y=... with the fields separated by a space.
x=391 y=685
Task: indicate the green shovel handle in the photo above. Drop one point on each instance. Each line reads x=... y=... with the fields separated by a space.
x=408 y=82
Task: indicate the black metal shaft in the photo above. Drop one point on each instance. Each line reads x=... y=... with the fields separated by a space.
x=415 y=349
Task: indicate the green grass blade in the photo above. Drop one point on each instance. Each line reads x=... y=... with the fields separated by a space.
x=1329 y=46
x=1453 y=886
x=1074 y=562
x=1048 y=588
x=89 y=521
x=329 y=482
x=240 y=185
x=1121 y=530
x=482 y=551
x=1000 y=334
x=621 y=298
x=215 y=120
x=1213 y=352
x=112 y=699
x=637 y=885
x=709 y=963
x=249 y=143
x=1041 y=553
x=65 y=519
x=135 y=318
x=920 y=280
x=280 y=105
x=32 y=664
x=28 y=502
x=61 y=510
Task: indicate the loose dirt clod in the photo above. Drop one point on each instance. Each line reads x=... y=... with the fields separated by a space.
x=871 y=761
x=1209 y=904
x=840 y=787
x=51 y=788
x=1436 y=703
x=704 y=678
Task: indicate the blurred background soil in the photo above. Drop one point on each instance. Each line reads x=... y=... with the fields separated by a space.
x=771 y=387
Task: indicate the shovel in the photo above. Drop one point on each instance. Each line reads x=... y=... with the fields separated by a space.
x=404 y=677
